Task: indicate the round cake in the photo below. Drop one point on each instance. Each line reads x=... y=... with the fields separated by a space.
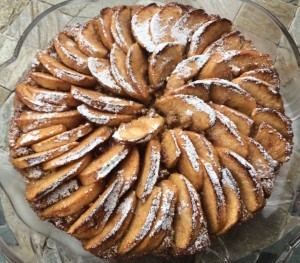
x=149 y=130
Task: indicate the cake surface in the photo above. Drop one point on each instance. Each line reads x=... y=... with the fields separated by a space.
x=149 y=130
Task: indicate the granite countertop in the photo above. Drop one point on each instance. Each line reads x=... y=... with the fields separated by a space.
x=16 y=15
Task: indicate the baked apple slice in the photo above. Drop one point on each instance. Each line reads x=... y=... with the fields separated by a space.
x=35 y=103
x=170 y=150
x=64 y=73
x=225 y=134
x=31 y=120
x=150 y=169
x=231 y=64
x=140 y=26
x=69 y=53
x=189 y=163
x=246 y=177
x=184 y=28
x=196 y=88
x=89 y=42
x=103 y=24
x=205 y=150
x=265 y=95
x=269 y=75
x=188 y=214
x=187 y=110
x=264 y=164
x=242 y=121
x=213 y=200
x=231 y=41
x=118 y=69
x=128 y=170
x=100 y=167
x=42 y=157
x=38 y=189
x=208 y=33
x=163 y=223
x=140 y=130
x=274 y=143
x=227 y=93
x=103 y=118
x=115 y=228
x=94 y=139
x=233 y=201
x=137 y=70
x=62 y=138
x=104 y=102
x=121 y=28
x=48 y=81
x=276 y=119
x=38 y=135
x=68 y=188
x=185 y=71
x=101 y=70
x=47 y=96
x=143 y=220
x=163 y=61
x=163 y=21
x=99 y=212
x=75 y=202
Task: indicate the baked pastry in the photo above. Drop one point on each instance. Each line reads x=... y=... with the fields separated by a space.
x=149 y=130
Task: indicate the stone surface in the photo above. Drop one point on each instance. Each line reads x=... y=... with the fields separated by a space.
x=4 y=93
x=253 y=20
x=32 y=10
x=9 y=10
x=295 y=28
x=228 y=8
x=7 y=47
x=283 y=11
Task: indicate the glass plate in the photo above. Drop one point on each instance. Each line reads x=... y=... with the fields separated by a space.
x=271 y=236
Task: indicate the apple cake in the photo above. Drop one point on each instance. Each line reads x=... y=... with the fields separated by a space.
x=149 y=130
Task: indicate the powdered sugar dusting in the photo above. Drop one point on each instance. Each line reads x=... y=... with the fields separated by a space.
x=261 y=168
x=199 y=105
x=98 y=119
x=66 y=49
x=216 y=185
x=122 y=79
x=83 y=41
x=228 y=180
x=101 y=101
x=79 y=151
x=125 y=209
x=198 y=35
x=167 y=210
x=190 y=151
x=102 y=72
x=39 y=158
x=230 y=126
x=195 y=201
x=186 y=68
x=177 y=151
x=249 y=167
x=150 y=218
x=62 y=192
x=106 y=168
x=152 y=176
x=141 y=29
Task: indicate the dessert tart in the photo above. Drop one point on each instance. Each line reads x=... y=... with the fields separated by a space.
x=149 y=130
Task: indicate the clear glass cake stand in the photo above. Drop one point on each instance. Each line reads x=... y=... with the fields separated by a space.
x=274 y=233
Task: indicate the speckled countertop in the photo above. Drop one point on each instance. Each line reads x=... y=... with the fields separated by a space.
x=16 y=15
